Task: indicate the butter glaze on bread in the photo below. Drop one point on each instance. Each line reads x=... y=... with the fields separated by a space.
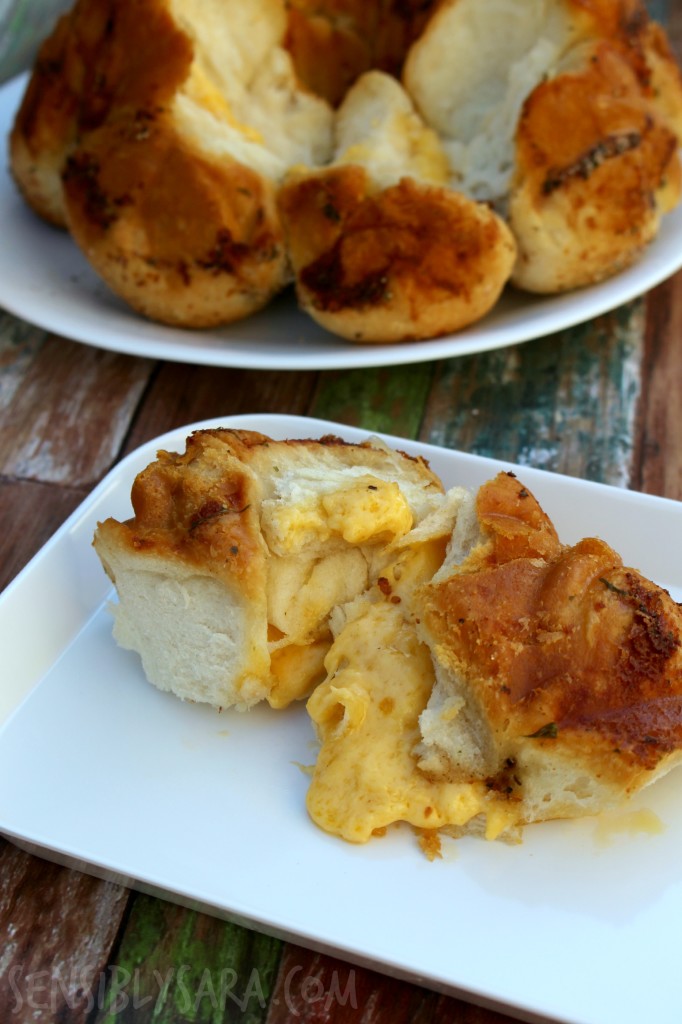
x=559 y=669
x=164 y=126
x=382 y=249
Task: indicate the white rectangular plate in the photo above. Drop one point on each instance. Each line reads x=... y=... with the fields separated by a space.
x=581 y=923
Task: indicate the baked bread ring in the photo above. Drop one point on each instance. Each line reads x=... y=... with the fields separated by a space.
x=397 y=158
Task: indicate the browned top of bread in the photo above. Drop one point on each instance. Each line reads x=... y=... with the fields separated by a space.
x=200 y=507
x=560 y=646
x=379 y=264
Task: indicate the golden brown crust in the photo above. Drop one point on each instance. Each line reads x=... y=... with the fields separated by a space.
x=44 y=128
x=383 y=265
x=199 y=509
x=201 y=506
x=562 y=647
x=596 y=168
x=184 y=239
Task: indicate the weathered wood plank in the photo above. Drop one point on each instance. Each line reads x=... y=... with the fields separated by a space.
x=180 y=394
x=657 y=465
x=175 y=966
x=65 y=408
x=30 y=513
x=313 y=988
x=56 y=931
x=566 y=403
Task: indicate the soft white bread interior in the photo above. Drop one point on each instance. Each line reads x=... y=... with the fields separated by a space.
x=559 y=669
x=241 y=547
x=470 y=80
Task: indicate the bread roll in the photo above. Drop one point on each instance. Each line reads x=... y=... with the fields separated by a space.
x=383 y=250
x=559 y=669
x=475 y=142
x=566 y=117
x=241 y=547
x=177 y=120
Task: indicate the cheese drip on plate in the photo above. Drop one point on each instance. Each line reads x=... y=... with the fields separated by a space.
x=379 y=679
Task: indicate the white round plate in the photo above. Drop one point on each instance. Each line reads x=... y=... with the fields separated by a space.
x=45 y=280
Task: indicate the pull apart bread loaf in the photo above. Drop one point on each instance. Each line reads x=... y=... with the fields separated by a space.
x=465 y=671
x=400 y=160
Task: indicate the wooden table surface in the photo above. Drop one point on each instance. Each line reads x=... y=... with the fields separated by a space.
x=600 y=401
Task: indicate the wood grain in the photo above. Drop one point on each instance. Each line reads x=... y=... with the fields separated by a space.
x=174 y=965
x=65 y=408
x=386 y=399
x=566 y=403
x=180 y=394
x=57 y=928
x=657 y=464
x=29 y=514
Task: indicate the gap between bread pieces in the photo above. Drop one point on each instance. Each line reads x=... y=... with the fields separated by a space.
x=465 y=671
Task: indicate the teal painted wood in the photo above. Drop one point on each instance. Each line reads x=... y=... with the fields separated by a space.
x=386 y=400
x=177 y=966
x=566 y=403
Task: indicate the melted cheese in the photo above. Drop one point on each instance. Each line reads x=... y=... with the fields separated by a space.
x=367 y=718
x=205 y=94
x=366 y=511
x=295 y=670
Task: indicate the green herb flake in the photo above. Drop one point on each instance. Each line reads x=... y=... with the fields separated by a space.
x=613 y=588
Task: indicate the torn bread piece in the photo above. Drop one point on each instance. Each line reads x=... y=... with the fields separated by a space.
x=559 y=669
x=241 y=547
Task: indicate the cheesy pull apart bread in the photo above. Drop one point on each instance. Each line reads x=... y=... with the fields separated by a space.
x=241 y=547
x=524 y=680
x=401 y=160
x=464 y=670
